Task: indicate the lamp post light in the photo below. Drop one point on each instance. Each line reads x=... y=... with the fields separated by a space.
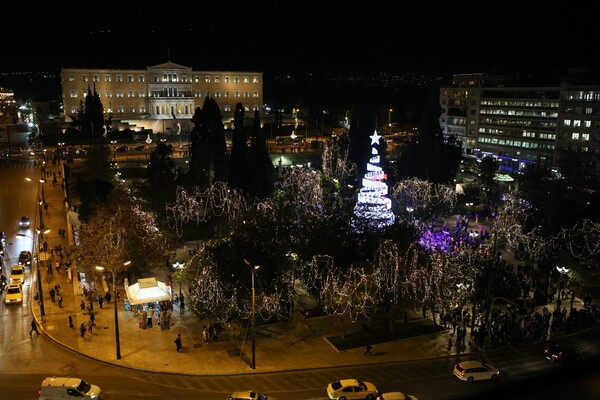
x=390 y=118
x=253 y=268
x=117 y=340
x=410 y=211
x=39 y=234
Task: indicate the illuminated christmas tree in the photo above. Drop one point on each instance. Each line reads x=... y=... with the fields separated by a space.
x=373 y=207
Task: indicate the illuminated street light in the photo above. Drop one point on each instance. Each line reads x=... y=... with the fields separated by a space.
x=112 y=270
x=253 y=269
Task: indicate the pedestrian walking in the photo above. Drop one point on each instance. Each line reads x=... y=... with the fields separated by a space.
x=100 y=301
x=92 y=319
x=70 y=321
x=33 y=327
x=178 y=342
x=449 y=347
x=368 y=350
x=82 y=329
x=60 y=300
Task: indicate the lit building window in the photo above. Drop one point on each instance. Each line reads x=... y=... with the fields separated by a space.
x=207 y=79
x=73 y=110
x=567 y=122
x=121 y=109
x=217 y=79
x=132 y=109
x=198 y=93
x=236 y=93
x=227 y=93
x=227 y=108
x=236 y=79
x=107 y=78
x=585 y=137
x=575 y=136
x=119 y=93
x=130 y=93
x=142 y=93
x=217 y=93
x=226 y=79
x=246 y=79
x=143 y=109
x=73 y=93
x=71 y=78
x=84 y=78
x=109 y=93
x=96 y=78
x=129 y=78
x=255 y=79
x=255 y=93
x=119 y=78
x=246 y=93
x=142 y=78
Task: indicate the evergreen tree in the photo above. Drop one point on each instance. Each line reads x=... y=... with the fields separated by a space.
x=428 y=157
x=260 y=165
x=237 y=168
x=207 y=145
x=161 y=178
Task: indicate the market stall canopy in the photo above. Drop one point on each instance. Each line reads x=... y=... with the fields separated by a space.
x=148 y=290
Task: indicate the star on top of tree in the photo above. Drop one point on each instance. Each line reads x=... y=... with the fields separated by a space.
x=375 y=138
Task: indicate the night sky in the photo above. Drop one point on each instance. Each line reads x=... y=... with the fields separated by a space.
x=308 y=36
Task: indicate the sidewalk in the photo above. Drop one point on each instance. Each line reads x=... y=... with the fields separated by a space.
x=278 y=348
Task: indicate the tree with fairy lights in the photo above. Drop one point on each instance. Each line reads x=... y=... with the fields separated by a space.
x=373 y=208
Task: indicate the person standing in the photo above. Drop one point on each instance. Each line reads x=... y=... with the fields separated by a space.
x=33 y=327
x=368 y=350
x=178 y=342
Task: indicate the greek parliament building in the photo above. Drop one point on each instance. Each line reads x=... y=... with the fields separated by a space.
x=518 y=122
x=163 y=97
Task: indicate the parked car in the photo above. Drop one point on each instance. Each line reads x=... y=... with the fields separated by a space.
x=559 y=354
x=346 y=389
x=17 y=274
x=247 y=395
x=395 y=396
x=54 y=388
x=24 y=222
x=471 y=371
x=25 y=257
x=14 y=294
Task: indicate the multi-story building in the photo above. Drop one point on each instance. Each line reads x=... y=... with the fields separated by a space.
x=163 y=95
x=519 y=122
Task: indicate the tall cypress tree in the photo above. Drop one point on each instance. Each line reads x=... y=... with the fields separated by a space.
x=237 y=167
x=260 y=165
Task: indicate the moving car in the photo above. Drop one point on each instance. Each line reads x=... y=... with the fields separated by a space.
x=17 y=274
x=14 y=294
x=475 y=371
x=346 y=389
x=54 y=388
x=25 y=257
x=395 y=396
x=24 y=222
x=247 y=395
x=559 y=354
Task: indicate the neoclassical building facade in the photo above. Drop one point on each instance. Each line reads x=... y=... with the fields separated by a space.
x=161 y=97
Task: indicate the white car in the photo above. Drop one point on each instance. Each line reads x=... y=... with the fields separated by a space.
x=471 y=371
x=346 y=389
x=395 y=396
x=14 y=294
x=247 y=395
x=66 y=387
x=17 y=274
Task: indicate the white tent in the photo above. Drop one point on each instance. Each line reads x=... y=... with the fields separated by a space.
x=148 y=290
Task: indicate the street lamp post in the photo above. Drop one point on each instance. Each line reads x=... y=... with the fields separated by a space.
x=410 y=211
x=37 y=266
x=117 y=339
x=253 y=268
x=390 y=118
